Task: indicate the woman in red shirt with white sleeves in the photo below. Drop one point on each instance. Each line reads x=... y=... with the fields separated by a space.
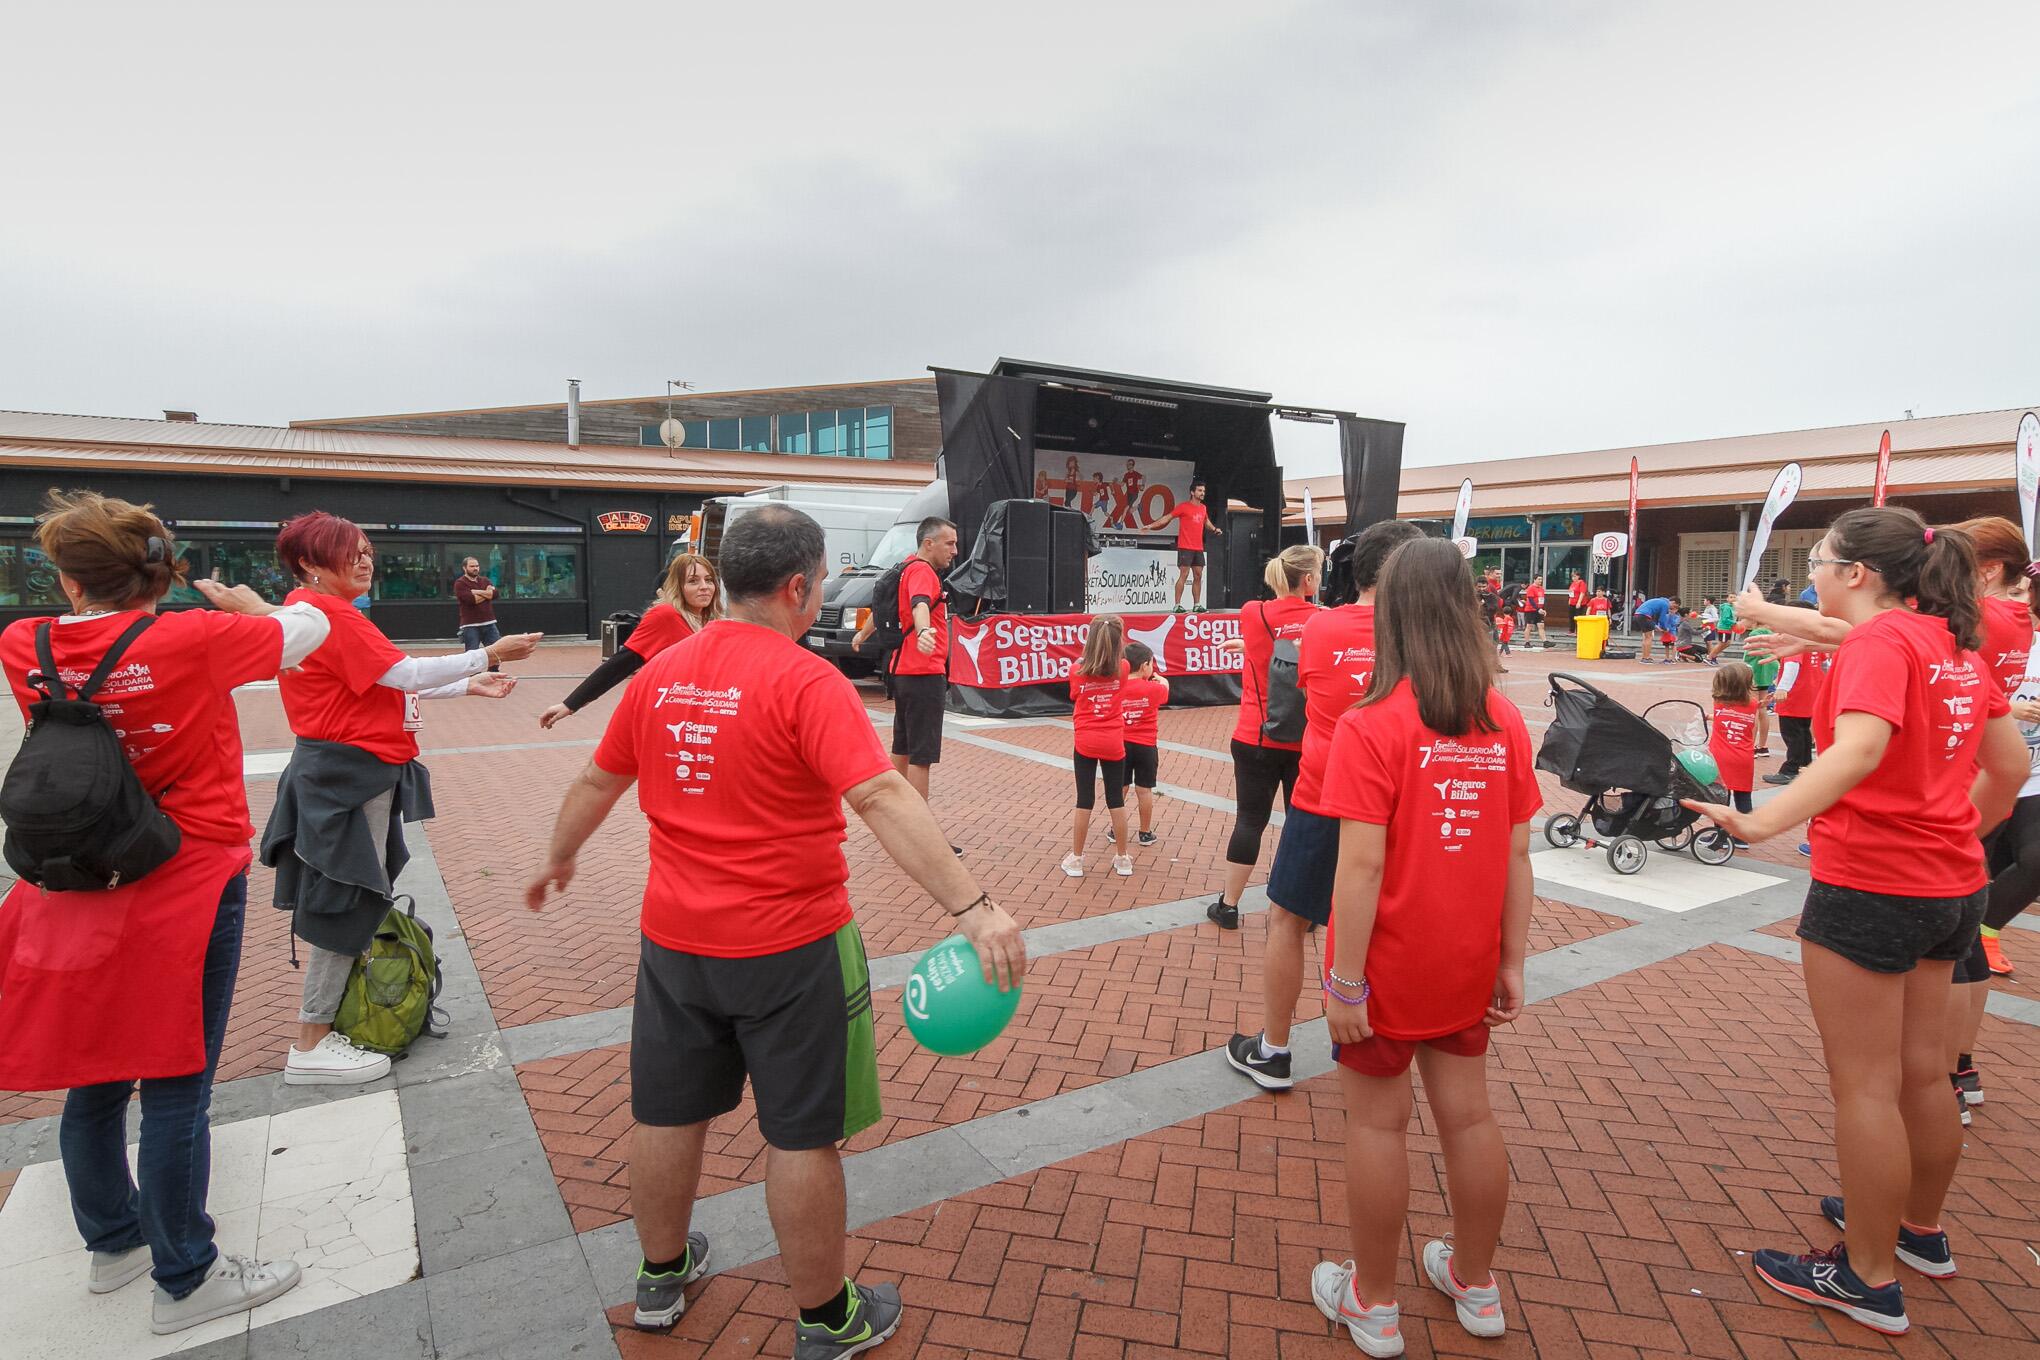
x=1916 y=752
x=688 y=600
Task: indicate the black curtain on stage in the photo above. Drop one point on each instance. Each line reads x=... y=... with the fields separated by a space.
x=1370 y=454
x=987 y=448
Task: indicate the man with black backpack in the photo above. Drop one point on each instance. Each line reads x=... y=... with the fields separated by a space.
x=910 y=629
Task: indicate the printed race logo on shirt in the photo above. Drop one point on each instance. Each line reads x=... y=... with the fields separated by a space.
x=1952 y=683
x=690 y=765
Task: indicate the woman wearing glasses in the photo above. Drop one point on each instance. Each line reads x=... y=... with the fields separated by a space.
x=336 y=836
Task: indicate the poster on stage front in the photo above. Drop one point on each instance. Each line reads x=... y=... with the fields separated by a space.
x=1121 y=496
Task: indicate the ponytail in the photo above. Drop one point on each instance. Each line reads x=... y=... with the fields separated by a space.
x=1936 y=567
x=1287 y=568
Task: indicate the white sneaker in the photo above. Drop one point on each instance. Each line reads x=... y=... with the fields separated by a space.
x=1479 y=1306
x=335 y=1061
x=1073 y=865
x=1376 y=1331
x=234 y=1285
x=1123 y=865
x=113 y=1270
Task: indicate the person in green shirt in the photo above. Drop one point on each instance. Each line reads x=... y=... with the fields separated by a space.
x=1765 y=671
x=1725 y=623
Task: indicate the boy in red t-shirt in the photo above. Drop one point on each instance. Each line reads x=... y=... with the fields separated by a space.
x=1141 y=696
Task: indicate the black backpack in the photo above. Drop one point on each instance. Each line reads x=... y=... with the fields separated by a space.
x=77 y=816
x=888 y=634
x=1284 y=709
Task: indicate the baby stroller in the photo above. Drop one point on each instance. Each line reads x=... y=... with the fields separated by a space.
x=1627 y=767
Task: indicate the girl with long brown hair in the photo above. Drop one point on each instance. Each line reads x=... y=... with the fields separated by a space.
x=688 y=600
x=1431 y=777
x=1100 y=741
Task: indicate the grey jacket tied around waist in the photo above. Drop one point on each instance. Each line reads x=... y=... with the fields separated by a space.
x=330 y=872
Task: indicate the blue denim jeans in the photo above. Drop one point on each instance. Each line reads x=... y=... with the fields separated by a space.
x=473 y=635
x=168 y=1212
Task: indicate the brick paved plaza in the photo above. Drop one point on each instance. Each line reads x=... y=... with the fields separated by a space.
x=1096 y=1183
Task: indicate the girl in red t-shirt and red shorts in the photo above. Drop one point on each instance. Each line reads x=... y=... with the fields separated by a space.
x=1431 y=777
x=1916 y=751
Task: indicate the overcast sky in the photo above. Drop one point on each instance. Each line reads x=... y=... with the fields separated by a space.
x=1521 y=228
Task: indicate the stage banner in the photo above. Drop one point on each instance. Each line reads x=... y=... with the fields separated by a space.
x=1018 y=665
x=1122 y=496
x=1884 y=472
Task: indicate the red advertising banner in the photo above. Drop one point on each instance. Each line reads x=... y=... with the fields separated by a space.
x=1883 y=468
x=1003 y=651
x=1629 y=594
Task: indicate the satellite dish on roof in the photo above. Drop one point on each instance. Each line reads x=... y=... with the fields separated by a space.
x=672 y=433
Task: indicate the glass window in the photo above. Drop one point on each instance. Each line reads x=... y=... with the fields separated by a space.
x=27 y=577
x=755 y=434
x=648 y=435
x=252 y=563
x=878 y=432
x=793 y=433
x=826 y=438
x=194 y=567
x=411 y=571
x=851 y=423
x=722 y=434
x=548 y=572
x=494 y=557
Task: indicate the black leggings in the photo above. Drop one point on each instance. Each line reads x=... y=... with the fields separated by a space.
x=1257 y=770
x=2014 y=864
x=1087 y=781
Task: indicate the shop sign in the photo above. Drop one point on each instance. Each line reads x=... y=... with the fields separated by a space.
x=1004 y=650
x=624 y=522
x=1516 y=528
x=677 y=524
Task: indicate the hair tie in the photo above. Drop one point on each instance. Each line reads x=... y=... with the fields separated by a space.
x=158 y=549
x=1930 y=534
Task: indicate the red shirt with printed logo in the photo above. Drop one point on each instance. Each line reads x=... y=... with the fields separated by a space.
x=919 y=581
x=1140 y=706
x=1262 y=622
x=1451 y=806
x=1732 y=741
x=2007 y=640
x=1909 y=829
x=334 y=696
x=1190 y=517
x=661 y=627
x=742 y=743
x=169 y=700
x=1100 y=726
x=1334 y=659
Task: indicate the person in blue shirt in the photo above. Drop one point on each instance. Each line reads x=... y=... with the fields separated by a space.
x=1657 y=615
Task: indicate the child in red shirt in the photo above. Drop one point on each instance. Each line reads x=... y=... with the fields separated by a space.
x=1431 y=777
x=1096 y=696
x=1141 y=696
x=1505 y=628
x=1732 y=734
x=1599 y=604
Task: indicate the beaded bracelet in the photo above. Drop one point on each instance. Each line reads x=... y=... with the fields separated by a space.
x=1343 y=999
x=1333 y=974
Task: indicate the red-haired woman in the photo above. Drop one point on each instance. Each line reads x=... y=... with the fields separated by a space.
x=335 y=836
x=134 y=982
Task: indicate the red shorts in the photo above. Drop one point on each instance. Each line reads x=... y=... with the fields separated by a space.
x=1381 y=1056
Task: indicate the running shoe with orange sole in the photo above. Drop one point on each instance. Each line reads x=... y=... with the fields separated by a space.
x=1994 y=952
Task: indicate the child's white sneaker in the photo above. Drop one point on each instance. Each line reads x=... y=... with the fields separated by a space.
x=1376 y=1331
x=1123 y=865
x=1073 y=864
x=1479 y=1306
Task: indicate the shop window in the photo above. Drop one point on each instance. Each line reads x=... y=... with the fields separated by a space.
x=251 y=563
x=793 y=433
x=411 y=571
x=494 y=557
x=722 y=434
x=878 y=432
x=27 y=577
x=754 y=434
x=548 y=572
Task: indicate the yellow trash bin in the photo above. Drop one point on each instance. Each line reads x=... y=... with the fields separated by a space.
x=1590 y=636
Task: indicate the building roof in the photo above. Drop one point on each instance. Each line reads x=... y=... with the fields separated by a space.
x=678 y=399
x=1933 y=453
x=33 y=439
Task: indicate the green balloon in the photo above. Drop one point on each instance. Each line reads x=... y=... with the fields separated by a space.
x=950 y=1007
x=1698 y=761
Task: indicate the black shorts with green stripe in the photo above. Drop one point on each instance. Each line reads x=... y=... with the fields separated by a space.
x=798 y=1024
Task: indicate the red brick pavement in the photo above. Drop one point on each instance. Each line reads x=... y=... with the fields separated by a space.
x=1655 y=1132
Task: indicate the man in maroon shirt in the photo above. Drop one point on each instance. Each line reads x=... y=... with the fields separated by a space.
x=1193 y=521
x=475 y=594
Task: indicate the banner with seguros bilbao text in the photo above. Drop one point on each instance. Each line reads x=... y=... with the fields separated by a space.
x=1002 y=651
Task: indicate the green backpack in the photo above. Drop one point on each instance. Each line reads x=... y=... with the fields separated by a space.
x=391 y=993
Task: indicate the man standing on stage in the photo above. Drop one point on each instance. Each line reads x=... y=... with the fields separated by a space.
x=1192 y=519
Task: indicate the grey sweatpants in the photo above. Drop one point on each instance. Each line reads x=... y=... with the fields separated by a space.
x=326 y=972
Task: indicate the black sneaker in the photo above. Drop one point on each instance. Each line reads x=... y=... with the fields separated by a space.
x=1223 y=916
x=1969 y=1082
x=661 y=1299
x=874 y=1316
x=1243 y=1051
x=1149 y=838
x=1928 y=1253
x=1781 y=777
x=1823 y=1279
x=1962 y=1106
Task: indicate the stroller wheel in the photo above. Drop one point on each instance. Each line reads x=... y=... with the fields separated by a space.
x=1714 y=846
x=1562 y=830
x=1677 y=842
x=1626 y=854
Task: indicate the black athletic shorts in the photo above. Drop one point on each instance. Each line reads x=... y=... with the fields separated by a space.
x=1140 y=765
x=798 y=1023
x=918 y=704
x=1887 y=934
x=1306 y=862
x=1189 y=557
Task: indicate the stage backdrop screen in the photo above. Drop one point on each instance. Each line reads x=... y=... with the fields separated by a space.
x=1120 y=494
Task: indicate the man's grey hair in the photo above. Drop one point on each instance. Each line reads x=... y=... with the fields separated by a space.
x=767 y=548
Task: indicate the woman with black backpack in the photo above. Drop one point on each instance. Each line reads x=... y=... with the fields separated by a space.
x=144 y=1000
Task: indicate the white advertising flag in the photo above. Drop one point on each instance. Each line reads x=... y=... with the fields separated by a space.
x=1784 y=488
x=1309 y=519
x=1459 y=511
x=2028 y=456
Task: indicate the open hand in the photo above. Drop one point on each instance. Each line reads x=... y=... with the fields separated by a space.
x=1741 y=825
x=491 y=685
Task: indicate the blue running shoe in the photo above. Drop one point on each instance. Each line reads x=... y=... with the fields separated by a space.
x=1823 y=1278
x=1928 y=1253
x=1806 y=849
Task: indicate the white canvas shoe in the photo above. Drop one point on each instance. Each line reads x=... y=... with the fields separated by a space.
x=335 y=1061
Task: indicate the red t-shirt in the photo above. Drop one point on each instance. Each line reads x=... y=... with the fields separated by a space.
x=1599 y=605
x=1732 y=741
x=334 y=696
x=1909 y=829
x=1101 y=728
x=1190 y=517
x=1533 y=596
x=1450 y=805
x=661 y=627
x=920 y=581
x=742 y=744
x=1261 y=623
x=1140 y=705
x=1804 y=696
x=1334 y=660
x=1505 y=626
x=2007 y=640
x=471 y=609
x=170 y=701
x=1576 y=593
